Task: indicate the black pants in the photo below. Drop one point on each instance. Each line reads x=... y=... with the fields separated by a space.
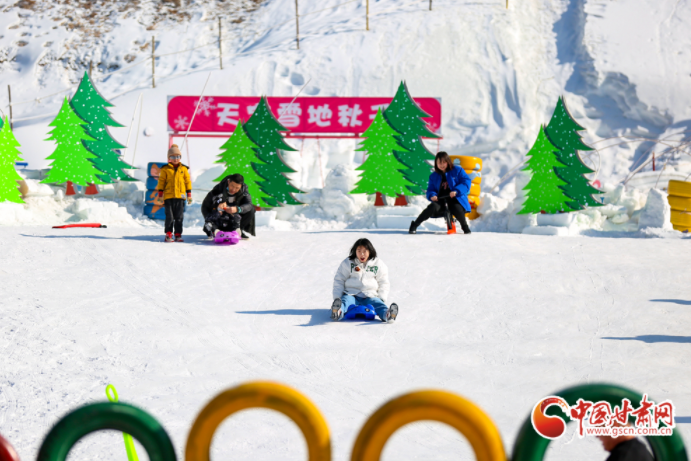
x=228 y=223
x=222 y=221
x=435 y=208
x=175 y=208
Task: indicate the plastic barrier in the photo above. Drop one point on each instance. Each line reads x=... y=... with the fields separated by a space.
x=680 y=218
x=441 y=406
x=467 y=163
x=152 y=210
x=7 y=451
x=679 y=188
x=530 y=446
x=260 y=394
x=107 y=415
x=679 y=203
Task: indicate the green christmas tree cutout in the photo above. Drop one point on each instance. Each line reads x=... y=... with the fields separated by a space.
x=382 y=171
x=545 y=194
x=239 y=155
x=9 y=154
x=71 y=160
x=562 y=131
x=405 y=116
x=93 y=108
x=264 y=130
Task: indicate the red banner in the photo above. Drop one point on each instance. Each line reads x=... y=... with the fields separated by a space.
x=306 y=115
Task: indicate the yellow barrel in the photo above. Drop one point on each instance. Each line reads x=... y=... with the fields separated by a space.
x=679 y=188
x=679 y=203
x=681 y=228
x=681 y=218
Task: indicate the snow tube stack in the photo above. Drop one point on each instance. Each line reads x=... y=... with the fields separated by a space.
x=473 y=167
x=679 y=199
x=152 y=210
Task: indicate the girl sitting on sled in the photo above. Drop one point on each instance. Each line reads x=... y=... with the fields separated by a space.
x=361 y=279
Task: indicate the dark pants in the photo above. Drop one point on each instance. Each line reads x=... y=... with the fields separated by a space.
x=247 y=222
x=436 y=208
x=175 y=208
x=228 y=223
x=222 y=221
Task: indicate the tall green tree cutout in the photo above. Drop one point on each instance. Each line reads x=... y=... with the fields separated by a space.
x=71 y=160
x=405 y=116
x=562 y=131
x=545 y=193
x=239 y=155
x=382 y=171
x=93 y=108
x=9 y=154
x=264 y=130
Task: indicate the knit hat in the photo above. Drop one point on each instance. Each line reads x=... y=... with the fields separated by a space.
x=174 y=150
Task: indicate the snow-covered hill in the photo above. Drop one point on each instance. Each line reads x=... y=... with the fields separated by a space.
x=622 y=66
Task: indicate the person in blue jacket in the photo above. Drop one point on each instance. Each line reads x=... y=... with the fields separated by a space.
x=450 y=184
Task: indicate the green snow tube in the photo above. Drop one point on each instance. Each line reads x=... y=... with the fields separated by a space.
x=99 y=416
x=530 y=446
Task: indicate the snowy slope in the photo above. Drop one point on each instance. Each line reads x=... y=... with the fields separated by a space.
x=620 y=65
x=500 y=319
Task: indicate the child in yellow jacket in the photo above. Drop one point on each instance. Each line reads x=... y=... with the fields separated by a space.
x=174 y=185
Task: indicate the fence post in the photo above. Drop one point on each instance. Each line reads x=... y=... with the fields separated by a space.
x=507 y=4
x=9 y=95
x=430 y=4
x=220 y=47
x=153 y=62
x=297 y=24
x=367 y=15
x=91 y=68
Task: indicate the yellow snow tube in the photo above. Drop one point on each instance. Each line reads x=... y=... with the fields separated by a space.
x=681 y=218
x=474 y=190
x=679 y=203
x=679 y=188
x=681 y=228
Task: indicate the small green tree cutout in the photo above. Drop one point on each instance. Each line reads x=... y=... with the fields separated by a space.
x=9 y=154
x=264 y=130
x=71 y=160
x=562 y=131
x=382 y=171
x=88 y=103
x=545 y=194
x=405 y=116
x=239 y=154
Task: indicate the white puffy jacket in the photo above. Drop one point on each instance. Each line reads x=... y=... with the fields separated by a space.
x=370 y=278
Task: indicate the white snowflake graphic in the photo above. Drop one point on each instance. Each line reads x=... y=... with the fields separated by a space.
x=205 y=106
x=181 y=123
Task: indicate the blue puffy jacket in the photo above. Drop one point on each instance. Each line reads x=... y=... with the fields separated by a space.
x=458 y=181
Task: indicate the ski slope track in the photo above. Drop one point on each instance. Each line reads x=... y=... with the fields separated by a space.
x=501 y=319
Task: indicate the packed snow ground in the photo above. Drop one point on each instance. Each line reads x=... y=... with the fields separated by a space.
x=501 y=319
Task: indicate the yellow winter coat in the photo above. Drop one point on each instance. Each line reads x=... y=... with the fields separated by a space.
x=174 y=184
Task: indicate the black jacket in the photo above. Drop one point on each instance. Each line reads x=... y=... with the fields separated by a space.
x=219 y=194
x=631 y=450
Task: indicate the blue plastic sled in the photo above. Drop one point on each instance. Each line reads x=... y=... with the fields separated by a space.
x=365 y=312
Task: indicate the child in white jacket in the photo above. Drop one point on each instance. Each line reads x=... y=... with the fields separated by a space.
x=362 y=279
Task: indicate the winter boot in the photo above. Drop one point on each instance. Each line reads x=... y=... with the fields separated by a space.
x=169 y=237
x=392 y=313
x=178 y=238
x=209 y=229
x=413 y=228
x=244 y=235
x=336 y=311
